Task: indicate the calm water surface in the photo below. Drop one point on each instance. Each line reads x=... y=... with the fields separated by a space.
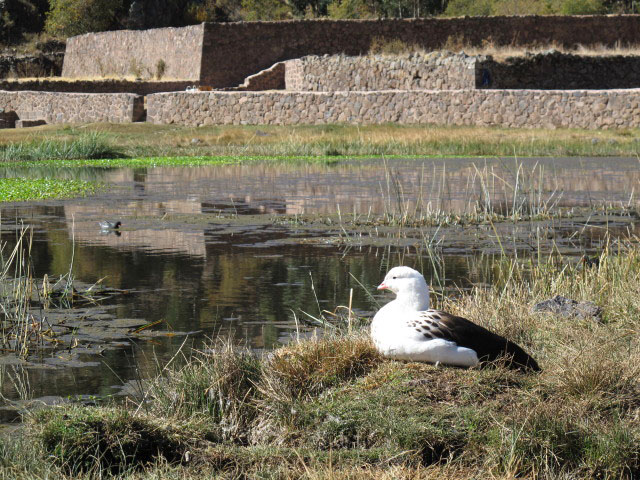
x=246 y=280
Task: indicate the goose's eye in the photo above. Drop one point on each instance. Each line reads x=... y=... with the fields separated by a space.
x=394 y=278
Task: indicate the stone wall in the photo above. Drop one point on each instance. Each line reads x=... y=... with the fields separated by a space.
x=507 y=108
x=136 y=53
x=73 y=107
x=555 y=70
x=417 y=71
x=22 y=66
x=233 y=51
x=272 y=78
x=443 y=70
x=94 y=86
x=224 y=54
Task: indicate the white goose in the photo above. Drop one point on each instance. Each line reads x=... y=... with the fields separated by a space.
x=407 y=329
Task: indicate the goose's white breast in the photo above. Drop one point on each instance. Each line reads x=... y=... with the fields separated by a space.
x=395 y=338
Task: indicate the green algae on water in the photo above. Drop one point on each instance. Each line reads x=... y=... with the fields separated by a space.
x=181 y=161
x=24 y=189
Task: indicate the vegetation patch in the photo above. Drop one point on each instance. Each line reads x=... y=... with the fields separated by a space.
x=306 y=369
x=23 y=189
x=217 y=387
x=111 y=439
x=150 y=162
x=143 y=140
x=85 y=146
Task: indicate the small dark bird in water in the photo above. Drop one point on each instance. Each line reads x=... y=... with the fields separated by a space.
x=106 y=225
x=588 y=262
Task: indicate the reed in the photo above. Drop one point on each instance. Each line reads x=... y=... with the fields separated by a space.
x=522 y=195
x=24 y=298
x=19 y=332
x=90 y=145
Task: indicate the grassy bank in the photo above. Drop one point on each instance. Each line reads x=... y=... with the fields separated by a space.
x=146 y=140
x=330 y=407
x=87 y=145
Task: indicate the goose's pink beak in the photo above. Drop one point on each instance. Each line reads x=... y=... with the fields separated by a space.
x=382 y=286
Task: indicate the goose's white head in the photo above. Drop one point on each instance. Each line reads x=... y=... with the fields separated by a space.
x=409 y=286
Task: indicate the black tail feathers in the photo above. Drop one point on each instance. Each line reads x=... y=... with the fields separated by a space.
x=519 y=359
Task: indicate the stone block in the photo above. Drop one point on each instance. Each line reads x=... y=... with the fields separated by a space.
x=29 y=123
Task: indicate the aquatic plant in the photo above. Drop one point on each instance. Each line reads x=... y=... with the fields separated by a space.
x=18 y=331
x=24 y=189
x=491 y=198
x=24 y=327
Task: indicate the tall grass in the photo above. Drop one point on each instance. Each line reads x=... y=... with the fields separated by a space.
x=144 y=140
x=91 y=145
x=380 y=45
x=18 y=331
x=490 y=197
x=216 y=385
x=23 y=298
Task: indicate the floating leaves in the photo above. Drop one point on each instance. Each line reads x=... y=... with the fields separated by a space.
x=23 y=189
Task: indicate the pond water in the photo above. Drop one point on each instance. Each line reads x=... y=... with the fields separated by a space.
x=219 y=251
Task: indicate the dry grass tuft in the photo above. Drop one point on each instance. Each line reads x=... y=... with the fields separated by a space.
x=305 y=369
x=602 y=370
x=216 y=386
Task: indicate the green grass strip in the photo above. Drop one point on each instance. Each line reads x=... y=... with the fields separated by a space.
x=23 y=189
x=197 y=161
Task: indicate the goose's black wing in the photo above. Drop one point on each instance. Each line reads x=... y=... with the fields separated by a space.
x=487 y=345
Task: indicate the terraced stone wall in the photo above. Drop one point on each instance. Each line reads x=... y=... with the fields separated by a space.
x=224 y=54
x=417 y=71
x=136 y=53
x=56 y=107
x=556 y=70
x=94 y=86
x=508 y=108
x=233 y=51
x=442 y=70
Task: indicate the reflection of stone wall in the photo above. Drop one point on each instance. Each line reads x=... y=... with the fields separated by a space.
x=509 y=108
x=432 y=71
x=73 y=107
x=83 y=224
x=136 y=53
x=452 y=185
